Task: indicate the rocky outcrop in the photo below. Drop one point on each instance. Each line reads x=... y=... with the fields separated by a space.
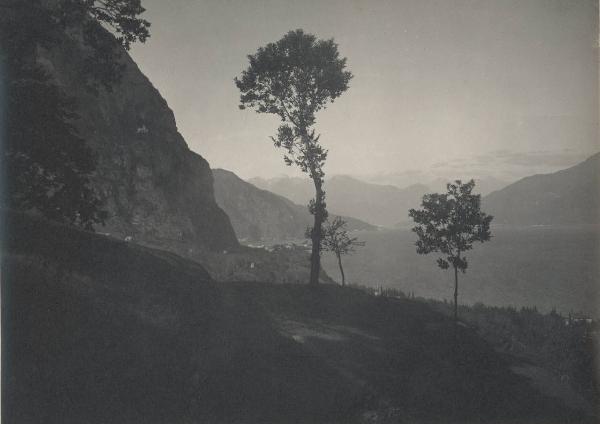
x=157 y=191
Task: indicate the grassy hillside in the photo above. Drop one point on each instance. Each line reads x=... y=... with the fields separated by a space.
x=98 y=330
x=547 y=345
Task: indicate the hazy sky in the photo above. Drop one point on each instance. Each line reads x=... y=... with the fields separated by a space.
x=436 y=82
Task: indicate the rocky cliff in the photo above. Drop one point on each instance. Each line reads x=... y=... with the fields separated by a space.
x=157 y=191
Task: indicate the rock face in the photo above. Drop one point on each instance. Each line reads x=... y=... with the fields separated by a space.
x=157 y=191
x=567 y=197
x=259 y=215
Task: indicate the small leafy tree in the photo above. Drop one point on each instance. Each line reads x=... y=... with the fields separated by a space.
x=337 y=240
x=47 y=164
x=450 y=223
x=30 y=24
x=294 y=78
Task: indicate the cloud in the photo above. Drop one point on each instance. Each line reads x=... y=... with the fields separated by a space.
x=505 y=160
x=492 y=170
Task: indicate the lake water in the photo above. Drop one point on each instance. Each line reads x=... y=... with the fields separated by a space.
x=535 y=266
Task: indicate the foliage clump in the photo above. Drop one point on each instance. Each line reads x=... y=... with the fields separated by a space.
x=47 y=166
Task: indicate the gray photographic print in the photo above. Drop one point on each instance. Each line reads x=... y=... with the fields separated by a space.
x=299 y=211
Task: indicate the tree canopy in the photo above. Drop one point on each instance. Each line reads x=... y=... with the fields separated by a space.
x=102 y=25
x=450 y=223
x=48 y=165
x=294 y=78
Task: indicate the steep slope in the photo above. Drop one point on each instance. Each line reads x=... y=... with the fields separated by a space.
x=567 y=197
x=298 y=190
x=376 y=204
x=260 y=215
x=157 y=191
x=98 y=330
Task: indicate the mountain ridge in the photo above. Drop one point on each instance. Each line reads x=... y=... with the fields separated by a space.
x=570 y=196
x=384 y=205
x=260 y=215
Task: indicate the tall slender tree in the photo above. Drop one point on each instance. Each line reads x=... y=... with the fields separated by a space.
x=450 y=223
x=294 y=78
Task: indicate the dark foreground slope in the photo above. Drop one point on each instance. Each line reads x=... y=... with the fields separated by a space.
x=97 y=330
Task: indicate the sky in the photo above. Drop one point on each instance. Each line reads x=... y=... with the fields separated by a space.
x=505 y=88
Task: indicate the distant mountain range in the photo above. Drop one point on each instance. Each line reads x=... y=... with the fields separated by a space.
x=376 y=204
x=298 y=190
x=484 y=184
x=260 y=215
x=567 y=197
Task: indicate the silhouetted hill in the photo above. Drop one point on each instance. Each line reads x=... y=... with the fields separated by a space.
x=376 y=204
x=97 y=330
x=567 y=197
x=260 y=215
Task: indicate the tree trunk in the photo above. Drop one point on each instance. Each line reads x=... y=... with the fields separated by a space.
x=339 y=257
x=455 y=295
x=455 y=352
x=319 y=211
x=315 y=257
x=455 y=310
